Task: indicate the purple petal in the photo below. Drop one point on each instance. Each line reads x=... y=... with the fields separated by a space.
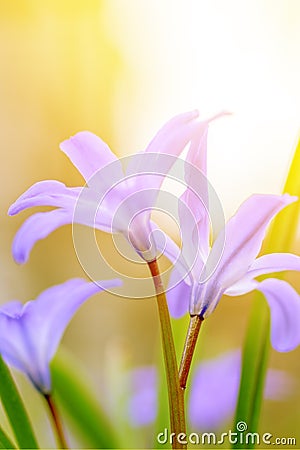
x=274 y=262
x=174 y=135
x=12 y=308
x=244 y=234
x=29 y=336
x=284 y=303
x=241 y=287
x=59 y=303
x=170 y=249
x=159 y=156
x=85 y=210
x=89 y=154
x=178 y=295
x=197 y=154
x=214 y=391
x=195 y=176
x=181 y=279
x=94 y=211
x=194 y=226
x=196 y=196
x=46 y=193
x=12 y=345
x=35 y=228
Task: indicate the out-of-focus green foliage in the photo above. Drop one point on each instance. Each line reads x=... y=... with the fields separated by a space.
x=15 y=410
x=75 y=395
x=5 y=442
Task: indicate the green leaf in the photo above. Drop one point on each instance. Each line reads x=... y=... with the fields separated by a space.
x=280 y=238
x=5 y=442
x=15 y=409
x=73 y=391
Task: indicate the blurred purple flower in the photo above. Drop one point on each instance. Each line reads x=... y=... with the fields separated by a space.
x=231 y=265
x=215 y=387
x=30 y=333
x=213 y=395
x=113 y=201
x=142 y=407
x=214 y=390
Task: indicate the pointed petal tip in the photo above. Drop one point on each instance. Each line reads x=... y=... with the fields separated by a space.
x=12 y=210
x=190 y=114
x=218 y=115
x=287 y=198
x=106 y=284
x=63 y=145
x=19 y=254
x=185 y=117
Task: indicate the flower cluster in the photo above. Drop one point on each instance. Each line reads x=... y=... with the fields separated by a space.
x=120 y=200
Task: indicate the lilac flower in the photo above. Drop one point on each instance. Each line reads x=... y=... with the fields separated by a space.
x=30 y=333
x=215 y=387
x=113 y=201
x=142 y=406
x=213 y=395
x=231 y=265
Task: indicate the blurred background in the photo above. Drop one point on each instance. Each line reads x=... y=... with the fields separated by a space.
x=120 y=69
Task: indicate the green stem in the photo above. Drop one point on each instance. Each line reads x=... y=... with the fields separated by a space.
x=175 y=393
x=189 y=348
x=62 y=443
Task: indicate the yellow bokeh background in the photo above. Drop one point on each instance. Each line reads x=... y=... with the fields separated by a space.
x=121 y=68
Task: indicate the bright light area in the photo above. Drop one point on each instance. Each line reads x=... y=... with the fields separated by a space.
x=242 y=56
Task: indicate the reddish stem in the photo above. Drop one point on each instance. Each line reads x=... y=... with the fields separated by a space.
x=57 y=422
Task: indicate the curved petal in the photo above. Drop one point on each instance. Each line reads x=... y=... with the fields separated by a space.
x=284 y=303
x=94 y=211
x=89 y=154
x=271 y=263
x=35 y=228
x=29 y=336
x=195 y=176
x=214 y=391
x=57 y=305
x=46 y=193
x=170 y=249
x=243 y=237
x=197 y=154
x=178 y=295
x=159 y=156
x=12 y=343
x=196 y=197
x=194 y=227
x=241 y=287
x=85 y=209
x=174 y=135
